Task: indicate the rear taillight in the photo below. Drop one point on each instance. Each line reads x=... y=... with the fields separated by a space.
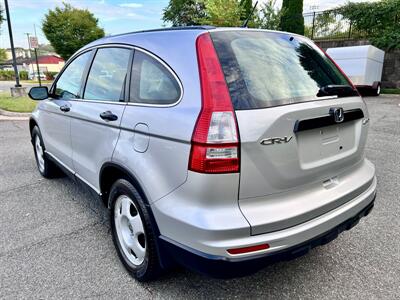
x=215 y=140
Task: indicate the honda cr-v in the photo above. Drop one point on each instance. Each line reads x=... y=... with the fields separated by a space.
x=219 y=149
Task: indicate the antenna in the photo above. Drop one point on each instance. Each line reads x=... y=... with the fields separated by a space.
x=249 y=16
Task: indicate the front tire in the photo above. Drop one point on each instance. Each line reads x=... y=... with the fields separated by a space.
x=46 y=167
x=134 y=236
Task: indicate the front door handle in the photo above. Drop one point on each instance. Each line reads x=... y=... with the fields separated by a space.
x=109 y=116
x=65 y=108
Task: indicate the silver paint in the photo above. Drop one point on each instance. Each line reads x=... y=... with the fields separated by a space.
x=284 y=197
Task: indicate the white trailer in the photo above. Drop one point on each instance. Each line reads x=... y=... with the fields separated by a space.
x=362 y=64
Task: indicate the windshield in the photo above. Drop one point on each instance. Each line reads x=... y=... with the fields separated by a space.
x=265 y=69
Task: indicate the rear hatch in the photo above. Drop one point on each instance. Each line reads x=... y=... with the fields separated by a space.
x=300 y=123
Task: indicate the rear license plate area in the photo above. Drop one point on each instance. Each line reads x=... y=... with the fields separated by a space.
x=322 y=145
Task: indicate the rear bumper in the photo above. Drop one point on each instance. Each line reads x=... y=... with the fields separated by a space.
x=221 y=267
x=203 y=216
x=278 y=211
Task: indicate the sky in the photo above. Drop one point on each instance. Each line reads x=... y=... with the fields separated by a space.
x=115 y=16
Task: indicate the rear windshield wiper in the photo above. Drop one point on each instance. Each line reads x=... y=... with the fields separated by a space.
x=336 y=89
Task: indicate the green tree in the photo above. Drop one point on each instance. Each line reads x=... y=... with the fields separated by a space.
x=68 y=29
x=247 y=12
x=3 y=55
x=247 y=7
x=269 y=16
x=292 y=16
x=2 y=19
x=184 y=12
x=378 y=21
x=226 y=13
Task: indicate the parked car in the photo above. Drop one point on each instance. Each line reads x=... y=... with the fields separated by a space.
x=34 y=76
x=222 y=149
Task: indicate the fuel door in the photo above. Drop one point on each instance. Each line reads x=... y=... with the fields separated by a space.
x=141 y=138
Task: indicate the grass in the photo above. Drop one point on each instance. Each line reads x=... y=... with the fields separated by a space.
x=36 y=81
x=390 y=91
x=20 y=104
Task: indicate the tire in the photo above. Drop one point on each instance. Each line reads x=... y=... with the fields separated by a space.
x=377 y=91
x=134 y=236
x=45 y=166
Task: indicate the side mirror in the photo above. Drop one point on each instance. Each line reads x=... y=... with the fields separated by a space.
x=39 y=93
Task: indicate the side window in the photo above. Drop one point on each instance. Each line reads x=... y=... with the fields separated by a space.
x=107 y=75
x=69 y=83
x=152 y=83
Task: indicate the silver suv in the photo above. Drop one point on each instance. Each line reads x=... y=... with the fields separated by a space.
x=219 y=149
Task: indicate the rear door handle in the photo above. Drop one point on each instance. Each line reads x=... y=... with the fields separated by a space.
x=65 y=108
x=109 y=116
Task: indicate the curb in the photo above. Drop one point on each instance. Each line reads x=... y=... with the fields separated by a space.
x=13 y=116
x=390 y=95
x=6 y=113
x=4 y=118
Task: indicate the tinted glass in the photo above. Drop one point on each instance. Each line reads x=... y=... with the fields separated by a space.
x=152 y=83
x=69 y=83
x=107 y=75
x=265 y=69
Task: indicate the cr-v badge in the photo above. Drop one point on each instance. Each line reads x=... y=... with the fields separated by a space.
x=276 y=140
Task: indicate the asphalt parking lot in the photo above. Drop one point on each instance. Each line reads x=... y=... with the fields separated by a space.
x=55 y=238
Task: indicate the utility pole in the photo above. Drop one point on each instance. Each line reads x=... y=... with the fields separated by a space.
x=30 y=55
x=29 y=44
x=37 y=66
x=35 y=44
x=313 y=8
x=17 y=84
x=34 y=29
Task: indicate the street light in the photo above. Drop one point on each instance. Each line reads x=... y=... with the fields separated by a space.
x=17 y=84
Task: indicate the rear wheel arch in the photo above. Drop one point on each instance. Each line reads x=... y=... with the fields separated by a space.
x=110 y=173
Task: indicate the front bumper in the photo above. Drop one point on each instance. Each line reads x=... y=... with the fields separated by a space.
x=221 y=267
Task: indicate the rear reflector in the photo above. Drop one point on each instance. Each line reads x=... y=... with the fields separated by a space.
x=215 y=140
x=248 y=249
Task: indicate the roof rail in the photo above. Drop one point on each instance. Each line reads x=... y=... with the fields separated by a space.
x=197 y=27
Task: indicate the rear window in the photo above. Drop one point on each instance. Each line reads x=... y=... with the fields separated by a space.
x=265 y=69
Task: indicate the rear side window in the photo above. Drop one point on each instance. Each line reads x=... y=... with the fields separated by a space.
x=69 y=84
x=152 y=82
x=107 y=76
x=265 y=69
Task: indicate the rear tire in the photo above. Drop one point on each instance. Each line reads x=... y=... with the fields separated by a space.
x=45 y=166
x=377 y=91
x=133 y=234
